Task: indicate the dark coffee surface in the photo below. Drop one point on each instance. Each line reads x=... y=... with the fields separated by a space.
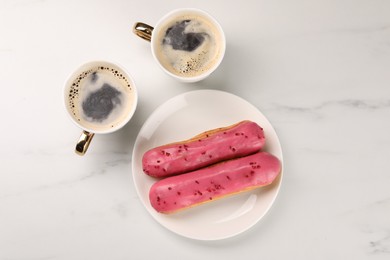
x=180 y=40
x=188 y=44
x=100 y=96
x=99 y=104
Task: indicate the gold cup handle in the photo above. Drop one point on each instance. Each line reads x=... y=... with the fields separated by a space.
x=143 y=30
x=83 y=143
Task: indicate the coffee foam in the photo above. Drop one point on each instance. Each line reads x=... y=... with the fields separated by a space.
x=90 y=81
x=195 y=62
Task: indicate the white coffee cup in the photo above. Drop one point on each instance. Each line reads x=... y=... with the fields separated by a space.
x=188 y=44
x=100 y=98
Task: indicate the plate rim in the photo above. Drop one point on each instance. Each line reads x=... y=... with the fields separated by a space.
x=137 y=143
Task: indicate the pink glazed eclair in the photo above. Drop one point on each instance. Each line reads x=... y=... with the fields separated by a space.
x=241 y=139
x=219 y=180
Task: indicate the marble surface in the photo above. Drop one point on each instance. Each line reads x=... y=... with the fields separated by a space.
x=319 y=70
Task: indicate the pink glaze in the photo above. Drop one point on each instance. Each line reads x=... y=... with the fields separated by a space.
x=214 y=146
x=182 y=191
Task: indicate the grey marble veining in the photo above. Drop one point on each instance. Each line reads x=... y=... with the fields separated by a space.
x=319 y=71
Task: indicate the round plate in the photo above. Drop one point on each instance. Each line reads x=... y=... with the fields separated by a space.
x=187 y=115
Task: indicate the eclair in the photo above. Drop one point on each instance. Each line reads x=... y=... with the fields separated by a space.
x=214 y=182
x=238 y=140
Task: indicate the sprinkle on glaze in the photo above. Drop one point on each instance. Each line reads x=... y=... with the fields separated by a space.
x=186 y=190
x=210 y=147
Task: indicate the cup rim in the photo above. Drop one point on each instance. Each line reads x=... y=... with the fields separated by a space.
x=218 y=27
x=89 y=64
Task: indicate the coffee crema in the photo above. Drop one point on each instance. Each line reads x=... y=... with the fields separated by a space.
x=188 y=45
x=100 y=97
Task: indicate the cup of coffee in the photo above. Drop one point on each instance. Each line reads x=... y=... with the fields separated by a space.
x=188 y=44
x=100 y=97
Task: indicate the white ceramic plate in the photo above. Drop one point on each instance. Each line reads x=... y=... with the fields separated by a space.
x=182 y=117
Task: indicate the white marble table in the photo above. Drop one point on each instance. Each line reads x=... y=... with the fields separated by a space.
x=319 y=70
